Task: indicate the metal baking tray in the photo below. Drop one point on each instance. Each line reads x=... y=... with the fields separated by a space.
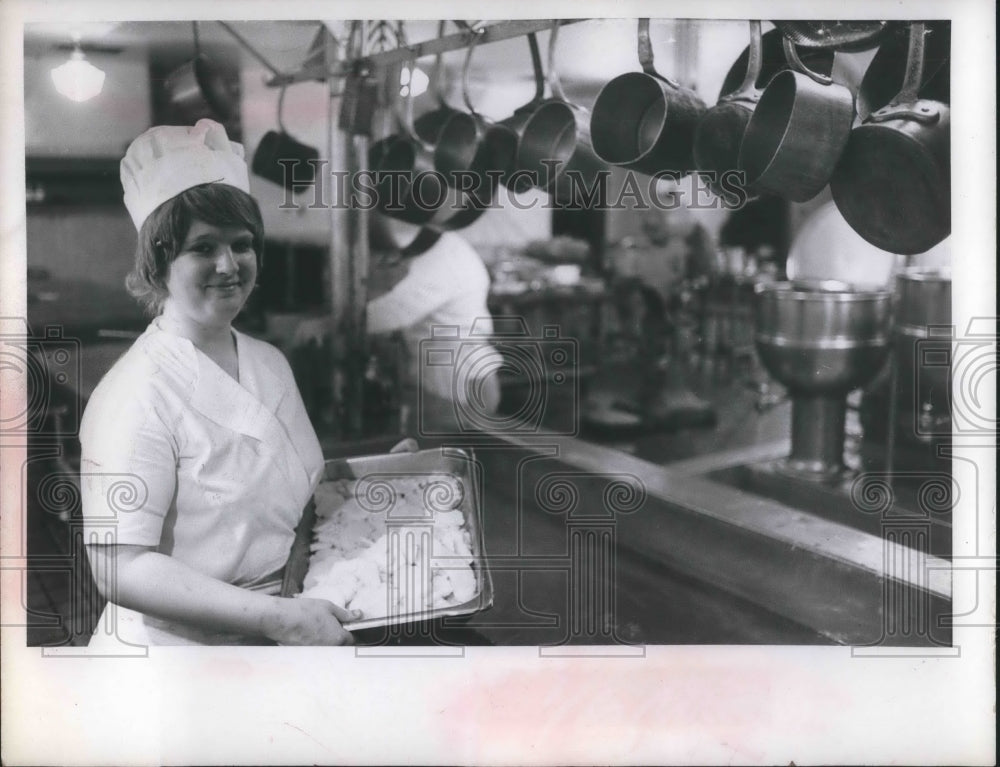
x=458 y=462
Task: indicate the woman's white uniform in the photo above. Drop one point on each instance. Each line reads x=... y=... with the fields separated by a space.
x=215 y=473
x=440 y=307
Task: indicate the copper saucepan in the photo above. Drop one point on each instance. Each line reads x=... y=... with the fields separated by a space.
x=506 y=135
x=644 y=120
x=283 y=159
x=467 y=157
x=408 y=187
x=555 y=144
x=893 y=184
x=797 y=132
x=197 y=89
x=720 y=131
x=465 y=153
x=428 y=125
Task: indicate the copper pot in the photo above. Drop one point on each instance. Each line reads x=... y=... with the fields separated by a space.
x=720 y=131
x=645 y=121
x=797 y=132
x=198 y=89
x=893 y=183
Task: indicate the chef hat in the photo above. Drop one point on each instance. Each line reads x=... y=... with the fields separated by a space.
x=167 y=159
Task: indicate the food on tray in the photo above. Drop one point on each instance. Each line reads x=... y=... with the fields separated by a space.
x=375 y=540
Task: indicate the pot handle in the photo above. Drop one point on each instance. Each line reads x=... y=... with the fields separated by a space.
x=437 y=74
x=748 y=90
x=646 y=55
x=402 y=107
x=555 y=85
x=907 y=102
x=197 y=42
x=476 y=35
x=536 y=66
x=792 y=57
x=281 y=109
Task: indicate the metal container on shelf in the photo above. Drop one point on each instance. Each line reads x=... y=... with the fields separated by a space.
x=922 y=344
x=822 y=340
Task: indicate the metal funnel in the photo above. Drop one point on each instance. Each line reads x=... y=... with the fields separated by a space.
x=821 y=340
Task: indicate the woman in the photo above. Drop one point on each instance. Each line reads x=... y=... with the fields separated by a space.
x=202 y=424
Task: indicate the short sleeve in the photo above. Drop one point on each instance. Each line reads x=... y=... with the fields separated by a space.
x=128 y=467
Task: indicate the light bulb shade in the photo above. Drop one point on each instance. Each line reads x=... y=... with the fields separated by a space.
x=78 y=79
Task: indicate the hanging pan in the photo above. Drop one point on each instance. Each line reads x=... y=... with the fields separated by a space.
x=555 y=144
x=797 y=132
x=893 y=184
x=407 y=187
x=284 y=160
x=428 y=125
x=844 y=36
x=466 y=152
x=644 y=120
x=505 y=136
x=720 y=131
x=197 y=89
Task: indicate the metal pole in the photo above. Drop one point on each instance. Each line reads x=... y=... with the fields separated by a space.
x=348 y=262
x=339 y=248
x=358 y=258
x=492 y=33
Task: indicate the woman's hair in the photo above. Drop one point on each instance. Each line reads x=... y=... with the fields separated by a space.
x=162 y=235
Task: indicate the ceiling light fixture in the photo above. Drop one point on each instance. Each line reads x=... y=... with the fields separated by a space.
x=78 y=79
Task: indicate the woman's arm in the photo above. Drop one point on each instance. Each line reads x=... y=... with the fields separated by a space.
x=159 y=585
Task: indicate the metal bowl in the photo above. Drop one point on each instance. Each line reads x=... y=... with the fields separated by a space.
x=819 y=337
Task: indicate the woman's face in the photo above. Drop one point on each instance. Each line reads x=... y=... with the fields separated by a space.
x=212 y=276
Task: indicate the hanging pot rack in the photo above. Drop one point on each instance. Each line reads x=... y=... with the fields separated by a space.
x=314 y=70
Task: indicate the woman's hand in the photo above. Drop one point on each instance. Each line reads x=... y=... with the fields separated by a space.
x=142 y=579
x=309 y=622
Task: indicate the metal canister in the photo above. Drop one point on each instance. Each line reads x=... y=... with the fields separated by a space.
x=922 y=341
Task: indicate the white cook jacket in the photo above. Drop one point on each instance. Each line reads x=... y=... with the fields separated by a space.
x=445 y=289
x=178 y=455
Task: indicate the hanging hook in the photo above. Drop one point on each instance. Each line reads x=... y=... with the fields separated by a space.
x=792 y=57
x=645 y=49
x=475 y=36
x=437 y=74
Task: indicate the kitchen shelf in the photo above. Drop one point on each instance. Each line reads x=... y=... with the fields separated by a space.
x=72 y=180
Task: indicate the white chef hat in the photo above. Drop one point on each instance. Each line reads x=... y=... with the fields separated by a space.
x=167 y=159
